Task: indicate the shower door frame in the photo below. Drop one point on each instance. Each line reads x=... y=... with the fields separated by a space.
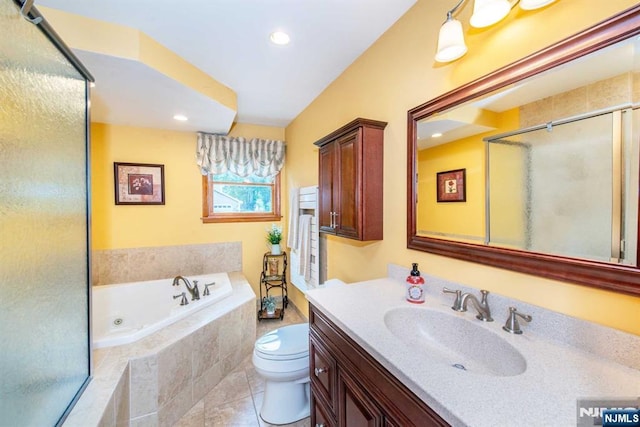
x=33 y=15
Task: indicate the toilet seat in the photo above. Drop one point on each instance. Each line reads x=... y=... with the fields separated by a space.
x=286 y=343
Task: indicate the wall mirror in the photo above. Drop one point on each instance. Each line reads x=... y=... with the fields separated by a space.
x=535 y=167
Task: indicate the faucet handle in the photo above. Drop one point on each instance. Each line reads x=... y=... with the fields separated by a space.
x=183 y=301
x=206 y=288
x=457 y=304
x=512 y=325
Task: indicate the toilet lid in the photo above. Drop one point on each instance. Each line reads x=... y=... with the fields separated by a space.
x=289 y=342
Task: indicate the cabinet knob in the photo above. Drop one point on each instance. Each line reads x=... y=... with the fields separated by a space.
x=319 y=371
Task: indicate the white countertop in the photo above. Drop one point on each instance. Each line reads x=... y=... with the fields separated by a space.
x=546 y=394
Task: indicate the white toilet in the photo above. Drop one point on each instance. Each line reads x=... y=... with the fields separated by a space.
x=281 y=357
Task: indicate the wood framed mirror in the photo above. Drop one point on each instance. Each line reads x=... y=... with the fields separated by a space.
x=550 y=75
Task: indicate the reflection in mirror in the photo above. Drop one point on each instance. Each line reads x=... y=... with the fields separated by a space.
x=551 y=163
x=551 y=168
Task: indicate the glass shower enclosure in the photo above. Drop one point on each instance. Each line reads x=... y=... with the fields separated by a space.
x=45 y=350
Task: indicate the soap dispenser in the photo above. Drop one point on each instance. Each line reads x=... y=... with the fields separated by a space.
x=415 y=286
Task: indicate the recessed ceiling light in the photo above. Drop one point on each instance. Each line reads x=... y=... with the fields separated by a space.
x=279 y=37
x=180 y=117
x=436 y=135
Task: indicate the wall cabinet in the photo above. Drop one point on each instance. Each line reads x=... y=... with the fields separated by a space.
x=350 y=388
x=350 y=180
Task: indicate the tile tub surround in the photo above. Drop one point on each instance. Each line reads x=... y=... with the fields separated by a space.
x=558 y=372
x=156 y=380
x=139 y=264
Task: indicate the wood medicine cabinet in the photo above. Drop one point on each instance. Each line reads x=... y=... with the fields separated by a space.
x=351 y=179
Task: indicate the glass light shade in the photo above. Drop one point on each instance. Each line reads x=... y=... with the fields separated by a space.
x=451 y=45
x=534 y=4
x=488 y=12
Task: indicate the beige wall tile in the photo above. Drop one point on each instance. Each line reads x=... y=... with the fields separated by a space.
x=206 y=349
x=207 y=381
x=173 y=410
x=232 y=387
x=144 y=386
x=193 y=418
x=109 y=416
x=174 y=370
x=150 y=420
x=122 y=409
x=140 y=264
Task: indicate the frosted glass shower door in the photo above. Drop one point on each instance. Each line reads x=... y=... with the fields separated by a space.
x=44 y=293
x=558 y=194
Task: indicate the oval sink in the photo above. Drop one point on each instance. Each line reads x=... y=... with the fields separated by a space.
x=454 y=341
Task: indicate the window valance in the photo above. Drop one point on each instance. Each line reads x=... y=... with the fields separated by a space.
x=217 y=154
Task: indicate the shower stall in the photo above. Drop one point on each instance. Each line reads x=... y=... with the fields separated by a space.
x=567 y=188
x=45 y=350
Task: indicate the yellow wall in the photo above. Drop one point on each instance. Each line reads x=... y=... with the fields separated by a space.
x=459 y=218
x=178 y=221
x=398 y=73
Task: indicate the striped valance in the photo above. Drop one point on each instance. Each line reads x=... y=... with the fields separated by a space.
x=220 y=154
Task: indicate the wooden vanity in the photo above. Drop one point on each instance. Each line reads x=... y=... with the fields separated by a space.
x=350 y=388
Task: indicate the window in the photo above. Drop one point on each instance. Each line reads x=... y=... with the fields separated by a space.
x=227 y=197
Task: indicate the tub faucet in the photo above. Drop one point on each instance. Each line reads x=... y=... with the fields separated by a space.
x=462 y=299
x=193 y=290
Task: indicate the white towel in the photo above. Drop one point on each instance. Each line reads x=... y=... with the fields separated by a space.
x=304 y=245
x=294 y=209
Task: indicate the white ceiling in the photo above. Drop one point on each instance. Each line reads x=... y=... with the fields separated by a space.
x=229 y=40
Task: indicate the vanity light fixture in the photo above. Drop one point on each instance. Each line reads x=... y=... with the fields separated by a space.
x=279 y=38
x=451 y=45
x=180 y=117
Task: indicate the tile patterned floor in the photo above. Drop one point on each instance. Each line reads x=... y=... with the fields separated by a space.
x=236 y=400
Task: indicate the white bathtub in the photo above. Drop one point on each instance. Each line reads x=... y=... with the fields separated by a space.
x=124 y=313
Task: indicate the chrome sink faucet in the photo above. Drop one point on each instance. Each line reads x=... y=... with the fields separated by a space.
x=512 y=325
x=462 y=299
x=193 y=290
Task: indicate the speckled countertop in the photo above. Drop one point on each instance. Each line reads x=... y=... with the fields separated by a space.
x=557 y=373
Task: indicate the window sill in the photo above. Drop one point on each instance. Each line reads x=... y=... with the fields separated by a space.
x=240 y=218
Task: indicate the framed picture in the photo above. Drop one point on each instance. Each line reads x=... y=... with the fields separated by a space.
x=451 y=186
x=139 y=184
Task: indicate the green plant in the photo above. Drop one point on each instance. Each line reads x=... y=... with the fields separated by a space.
x=274 y=235
x=269 y=303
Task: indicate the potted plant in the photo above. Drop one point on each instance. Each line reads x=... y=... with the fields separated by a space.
x=274 y=236
x=269 y=303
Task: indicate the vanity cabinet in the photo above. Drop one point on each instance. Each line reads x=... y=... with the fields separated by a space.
x=350 y=180
x=350 y=388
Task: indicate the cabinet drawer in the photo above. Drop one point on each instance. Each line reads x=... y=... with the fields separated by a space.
x=323 y=374
x=319 y=414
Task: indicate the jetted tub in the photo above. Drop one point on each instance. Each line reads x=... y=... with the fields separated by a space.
x=124 y=313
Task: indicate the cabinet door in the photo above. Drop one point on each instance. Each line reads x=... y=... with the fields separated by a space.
x=356 y=407
x=325 y=188
x=319 y=414
x=347 y=195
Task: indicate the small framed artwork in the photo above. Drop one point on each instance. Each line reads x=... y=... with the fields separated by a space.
x=451 y=186
x=139 y=184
